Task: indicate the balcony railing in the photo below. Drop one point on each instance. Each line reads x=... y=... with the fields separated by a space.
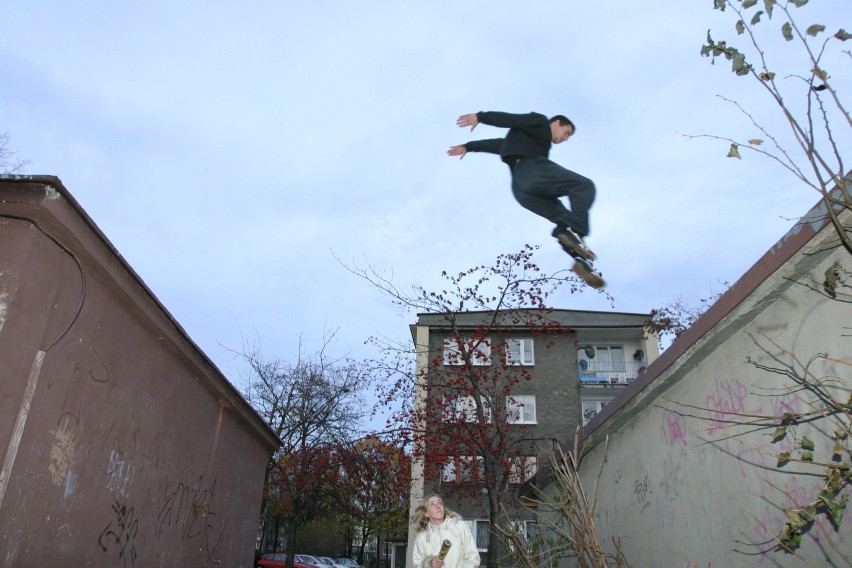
x=605 y=372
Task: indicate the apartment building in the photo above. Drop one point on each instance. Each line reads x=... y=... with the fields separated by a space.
x=547 y=373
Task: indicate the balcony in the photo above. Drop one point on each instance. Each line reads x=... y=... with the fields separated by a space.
x=610 y=373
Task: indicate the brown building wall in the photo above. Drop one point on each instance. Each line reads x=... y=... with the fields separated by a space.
x=122 y=443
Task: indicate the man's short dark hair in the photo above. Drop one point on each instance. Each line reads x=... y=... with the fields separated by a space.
x=563 y=120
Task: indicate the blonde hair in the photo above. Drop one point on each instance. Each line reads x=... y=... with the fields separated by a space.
x=420 y=520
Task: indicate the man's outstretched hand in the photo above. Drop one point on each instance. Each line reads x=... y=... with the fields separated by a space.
x=468 y=120
x=457 y=151
x=463 y=121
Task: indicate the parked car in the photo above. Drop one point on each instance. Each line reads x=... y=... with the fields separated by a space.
x=311 y=561
x=278 y=560
x=329 y=563
x=348 y=562
x=272 y=561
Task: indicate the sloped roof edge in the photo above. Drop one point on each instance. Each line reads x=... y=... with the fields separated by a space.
x=570 y=318
x=797 y=237
x=792 y=242
x=224 y=387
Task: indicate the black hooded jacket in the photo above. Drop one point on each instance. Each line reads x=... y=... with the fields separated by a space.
x=529 y=136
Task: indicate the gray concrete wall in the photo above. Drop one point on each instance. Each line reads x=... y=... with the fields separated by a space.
x=682 y=484
x=122 y=444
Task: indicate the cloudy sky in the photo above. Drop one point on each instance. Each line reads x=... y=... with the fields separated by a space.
x=230 y=150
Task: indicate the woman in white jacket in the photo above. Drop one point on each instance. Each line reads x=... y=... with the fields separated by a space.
x=433 y=524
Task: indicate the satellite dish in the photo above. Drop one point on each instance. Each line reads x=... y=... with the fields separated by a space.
x=584 y=365
x=589 y=351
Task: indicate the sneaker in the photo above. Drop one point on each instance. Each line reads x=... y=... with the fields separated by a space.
x=584 y=270
x=572 y=241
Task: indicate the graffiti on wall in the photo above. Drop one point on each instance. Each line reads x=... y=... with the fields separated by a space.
x=187 y=510
x=119 y=473
x=119 y=536
x=78 y=372
x=120 y=449
x=82 y=389
x=62 y=451
x=673 y=429
x=75 y=366
x=729 y=405
x=729 y=402
x=642 y=489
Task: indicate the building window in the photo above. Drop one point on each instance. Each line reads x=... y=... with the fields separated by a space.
x=519 y=352
x=591 y=408
x=478 y=349
x=523 y=468
x=450 y=472
x=480 y=530
x=463 y=469
x=606 y=364
x=606 y=358
x=529 y=531
x=520 y=409
x=463 y=409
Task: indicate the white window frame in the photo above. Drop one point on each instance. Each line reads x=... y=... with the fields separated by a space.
x=608 y=360
x=521 y=409
x=459 y=469
x=475 y=526
x=481 y=355
x=449 y=473
x=519 y=351
x=525 y=528
x=467 y=472
x=598 y=407
x=464 y=408
x=522 y=469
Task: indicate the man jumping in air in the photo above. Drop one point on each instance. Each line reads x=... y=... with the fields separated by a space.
x=538 y=183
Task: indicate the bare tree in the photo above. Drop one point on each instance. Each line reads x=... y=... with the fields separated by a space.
x=9 y=161
x=812 y=107
x=568 y=519
x=455 y=413
x=672 y=319
x=313 y=406
x=807 y=98
x=812 y=433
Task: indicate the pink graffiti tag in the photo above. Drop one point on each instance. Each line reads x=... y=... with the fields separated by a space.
x=728 y=402
x=673 y=428
x=781 y=405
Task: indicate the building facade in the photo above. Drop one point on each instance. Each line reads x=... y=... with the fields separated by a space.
x=122 y=444
x=732 y=449
x=540 y=375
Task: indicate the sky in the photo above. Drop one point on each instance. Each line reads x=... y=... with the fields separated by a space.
x=233 y=151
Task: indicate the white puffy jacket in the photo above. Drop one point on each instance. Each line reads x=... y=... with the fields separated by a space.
x=462 y=554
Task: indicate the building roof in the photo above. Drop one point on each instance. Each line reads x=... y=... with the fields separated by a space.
x=575 y=319
x=797 y=237
x=44 y=201
x=608 y=419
